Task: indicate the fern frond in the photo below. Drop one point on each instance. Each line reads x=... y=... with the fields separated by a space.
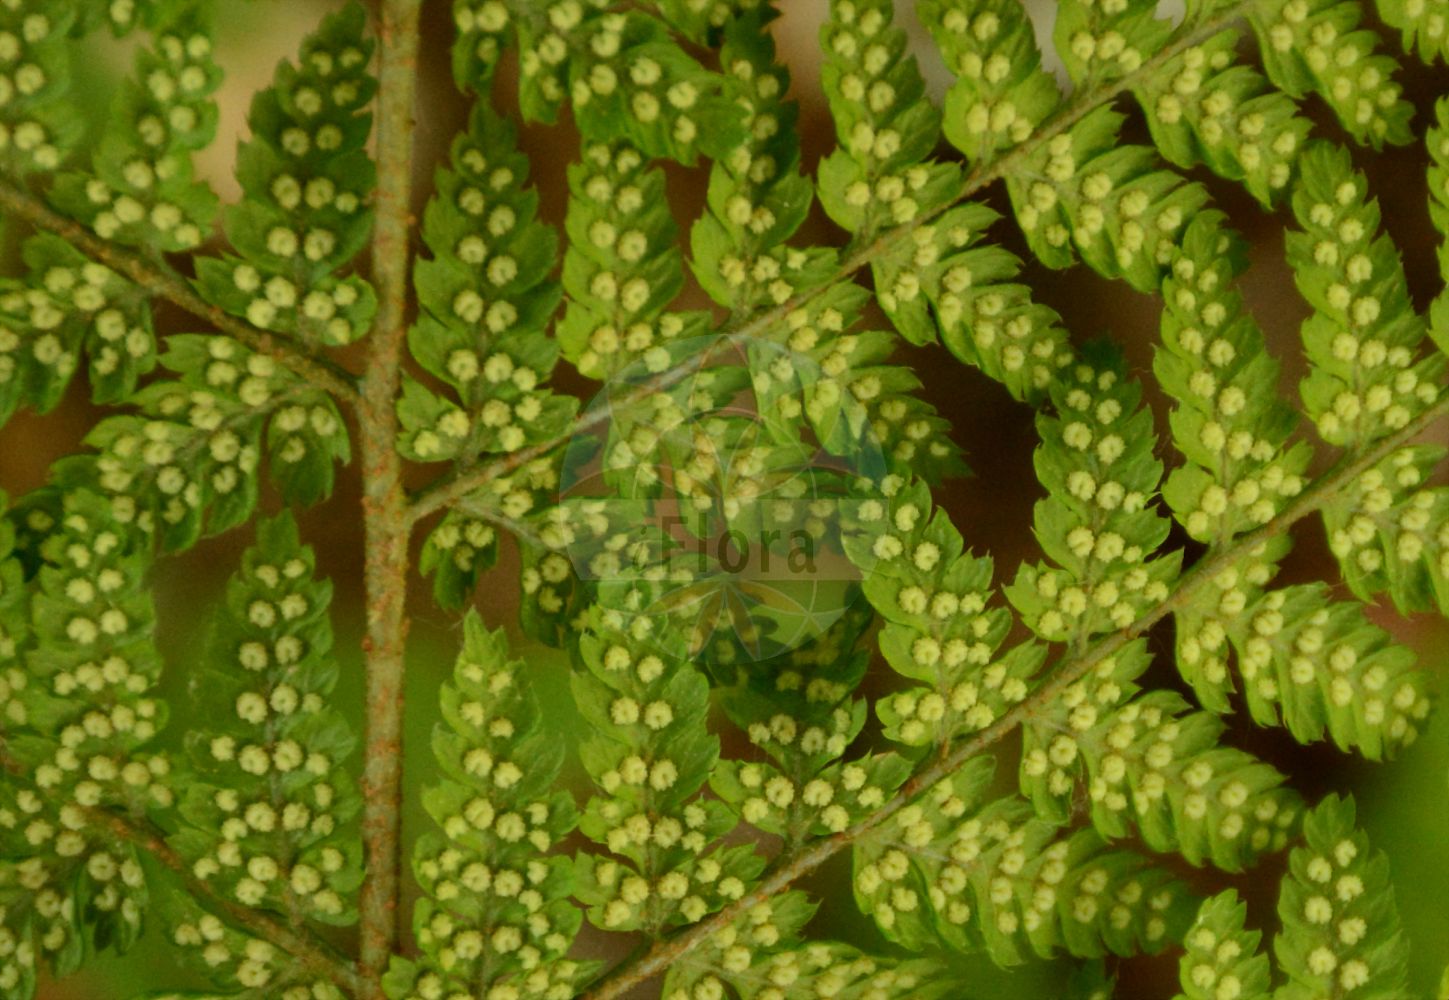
x=1096 y=524
x=1422 y=25
x=67 y=305
x=1363 y=341
x=774 y=423
x=762 y=954
x=833 y=378
x=1221 y=956
x=141 y=190
x=553 y=595
x=496 y=918
x=1340 y=924
x=801 y=710
x=649 y=756
x=1230 y=423
x=984 y=317
x=1098 y=43
x=1085 y=192
x=1205 y=106
x=880 y=177
x=953 y=870
x=39 y=127
x=757 y=196
x=1148 y=762
x=487 y=298
x=247 y=966
x=1388 y=533
x=885 y=124
x=878 y=180
x=940 y=631
x=895 y=239
x=152 y=279
x=268 y=810
x=1370 y=375
x=490 y=268
x=78 y=719
x=622 y=268
x=1073 y=668
x=481 y=31
x=187 y=465
x=1373 y=696
x=1317 y=46
x=1233 y=428
x=456 y=554
x=305 y=178
x=1001 y=93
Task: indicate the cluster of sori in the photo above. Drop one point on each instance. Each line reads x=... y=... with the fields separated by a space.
x=938 y=860
x=750 y=402
x=261 y=814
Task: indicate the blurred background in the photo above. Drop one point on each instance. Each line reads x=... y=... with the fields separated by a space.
x=1404 y=806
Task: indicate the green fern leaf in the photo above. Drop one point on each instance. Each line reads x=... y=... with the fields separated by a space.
x=305 y=177
x=69 y=885
x=141 y=190
x=992 y=877
x=496 y=915
x=283 y=843
x=1309 y=46
x=187 y=465
x=1222 y=956
x=1340 y=925
x=1241 y=128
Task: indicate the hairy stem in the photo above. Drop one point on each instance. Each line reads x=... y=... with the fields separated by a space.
x=384 y=503
x=449 y=489
x=791 y=867
x=160 y=281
